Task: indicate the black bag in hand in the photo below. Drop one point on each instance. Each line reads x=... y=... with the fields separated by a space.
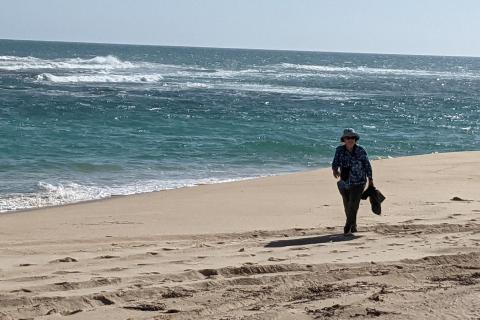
x=376 y=198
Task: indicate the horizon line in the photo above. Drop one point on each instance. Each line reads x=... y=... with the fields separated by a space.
x=237 y=48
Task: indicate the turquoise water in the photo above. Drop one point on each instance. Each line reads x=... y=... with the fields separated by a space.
x=87 y=121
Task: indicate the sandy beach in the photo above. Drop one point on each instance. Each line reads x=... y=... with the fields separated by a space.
x=267 y=248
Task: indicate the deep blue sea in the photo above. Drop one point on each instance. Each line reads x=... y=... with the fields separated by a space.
x=88 y=121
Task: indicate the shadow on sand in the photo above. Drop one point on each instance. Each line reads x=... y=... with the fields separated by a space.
x=339 y=237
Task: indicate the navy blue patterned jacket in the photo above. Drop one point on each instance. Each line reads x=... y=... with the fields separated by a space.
x=355 y=162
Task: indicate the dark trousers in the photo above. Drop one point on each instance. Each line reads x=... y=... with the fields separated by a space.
x=351 y=202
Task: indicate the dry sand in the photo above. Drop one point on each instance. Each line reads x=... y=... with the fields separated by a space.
x=268 y=248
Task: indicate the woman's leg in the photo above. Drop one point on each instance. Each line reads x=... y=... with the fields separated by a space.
x=355 y=194
x=345 y=193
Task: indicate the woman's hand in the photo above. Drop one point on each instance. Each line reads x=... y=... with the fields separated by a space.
x=370 y=182
x=336 y=173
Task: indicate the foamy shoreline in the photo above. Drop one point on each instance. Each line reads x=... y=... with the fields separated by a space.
x=199 y=182
x=268 y=247
x=193 y=183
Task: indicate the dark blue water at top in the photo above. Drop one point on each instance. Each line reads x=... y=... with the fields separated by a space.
x=85 y=121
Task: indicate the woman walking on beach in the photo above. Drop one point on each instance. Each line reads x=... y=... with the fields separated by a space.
x=351 y=164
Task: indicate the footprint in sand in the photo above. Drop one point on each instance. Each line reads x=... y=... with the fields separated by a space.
x=299 y=248
x=65 y=272
x=355 y=244
x=32 y=278
x=69 y=313
x=142 y=245
x=66 y=259
x=276 y=259
x=185 y=261
x=413 y=220
x=153 y=306
x=23 y=290
x=338 y=251
x=208 y=272
x=107 y=257
x=116 y=269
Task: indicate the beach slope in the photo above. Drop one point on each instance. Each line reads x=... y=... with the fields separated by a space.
x=267 y=248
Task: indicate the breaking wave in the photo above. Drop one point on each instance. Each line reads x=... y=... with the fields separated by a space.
x=377 y=71
x=267 y=88
x=100 y=62
x=110 y=62
x=132 y=78
x=54 y=194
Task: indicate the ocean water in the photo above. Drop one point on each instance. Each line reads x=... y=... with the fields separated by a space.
x=88 y=121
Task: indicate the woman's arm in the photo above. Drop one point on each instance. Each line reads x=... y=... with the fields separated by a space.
x=336 y=164
x=368 y=169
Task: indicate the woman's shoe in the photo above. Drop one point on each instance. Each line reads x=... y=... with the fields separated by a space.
x=347 y=230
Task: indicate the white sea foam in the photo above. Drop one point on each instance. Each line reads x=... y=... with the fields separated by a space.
x=65 y=193
x=51 y=195
x=223 y=73
x=99 y=62
x=263 y=72
x=283 y=70
x=241 y=87
x=267 y=88
x=132 y=78
x=378 y=71
x=202 y=83
x=277 y=89
x=193 y=85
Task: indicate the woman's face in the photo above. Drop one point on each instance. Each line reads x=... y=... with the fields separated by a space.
x=349 y=141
